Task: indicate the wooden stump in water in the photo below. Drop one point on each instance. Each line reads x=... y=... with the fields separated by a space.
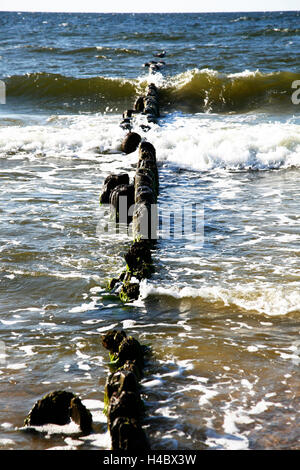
x=124 y=406
x=131 y=142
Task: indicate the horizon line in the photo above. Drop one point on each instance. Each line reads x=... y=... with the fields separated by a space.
x=148 y=12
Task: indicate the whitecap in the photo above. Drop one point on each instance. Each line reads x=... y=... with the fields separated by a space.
x=6 y=442
x=16 y=366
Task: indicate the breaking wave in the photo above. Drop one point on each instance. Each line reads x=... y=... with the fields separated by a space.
x=266 y=300
x=208 y=90
x=193 y=91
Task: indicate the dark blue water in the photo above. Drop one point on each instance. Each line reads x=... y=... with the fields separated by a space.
x=89 y=45
x=45 y=57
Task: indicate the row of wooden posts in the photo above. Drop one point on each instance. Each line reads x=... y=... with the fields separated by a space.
x=123 y=403
x=141 y=194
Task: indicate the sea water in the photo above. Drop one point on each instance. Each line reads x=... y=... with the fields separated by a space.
x=221 y=311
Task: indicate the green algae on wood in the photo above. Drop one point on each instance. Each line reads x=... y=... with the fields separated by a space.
x=124 y=407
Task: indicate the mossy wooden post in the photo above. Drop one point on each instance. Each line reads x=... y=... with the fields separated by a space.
x=141 y=196
x=123 y=404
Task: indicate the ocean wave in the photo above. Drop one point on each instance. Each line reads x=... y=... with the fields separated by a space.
x=230 y=143
x=82 y=50
x=207 y=90
x=64 y=136
x=193 y=91
x=273 y=32
x=266 y=300
x=57 y=87
x=241 y=18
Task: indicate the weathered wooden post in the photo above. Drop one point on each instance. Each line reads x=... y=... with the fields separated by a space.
x=123 y=404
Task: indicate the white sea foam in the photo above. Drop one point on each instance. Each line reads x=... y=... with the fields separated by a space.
x=93 y=404
x=83 y=366
x=83 y=307
x=68 y=136
x=6 y=425
x=50 y=429
x=206 y=143
x=265 y=299
x=12 y=322
x=106 y=328
x=241 y=18
x=28 y=350
x=17 y=366
x=101 y=440
x=200 y=142
x=260 y=407
x=153 y=383
x=6 y=442
x=128 y=323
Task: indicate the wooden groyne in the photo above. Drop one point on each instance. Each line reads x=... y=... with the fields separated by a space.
x=133 y=202
x=60 y=407
x=136 y=202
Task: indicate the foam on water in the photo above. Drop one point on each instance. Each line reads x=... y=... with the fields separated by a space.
x=198 y=142
x=219 y=315
x=7 y=442
x=68 y=136
x=50 y=429
x=210 y=143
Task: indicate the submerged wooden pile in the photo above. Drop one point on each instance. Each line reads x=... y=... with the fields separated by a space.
x=124 y=407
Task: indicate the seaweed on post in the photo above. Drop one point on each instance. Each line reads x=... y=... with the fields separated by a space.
x=123 y=404
x=141 y=195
